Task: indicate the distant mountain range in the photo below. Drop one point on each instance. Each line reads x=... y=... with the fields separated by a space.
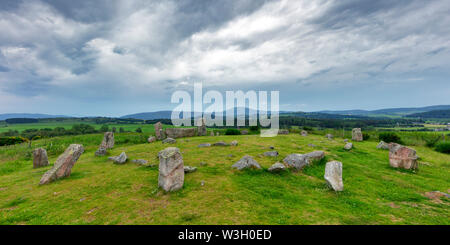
x=424 y=112
x=390 y=112
x=27 y=115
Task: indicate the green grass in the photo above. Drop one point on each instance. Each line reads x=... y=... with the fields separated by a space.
x=99 y=192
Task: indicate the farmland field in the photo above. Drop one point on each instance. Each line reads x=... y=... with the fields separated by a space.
x=100 y=192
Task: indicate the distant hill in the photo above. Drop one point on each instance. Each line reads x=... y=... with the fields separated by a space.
x=150 y=115
x=389 y=112
x=432 y=114
x=27 y=115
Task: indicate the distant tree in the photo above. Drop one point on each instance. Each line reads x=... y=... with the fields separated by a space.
x=139 y=130
x=121 y=130
x=113 y=129
x=104 y=128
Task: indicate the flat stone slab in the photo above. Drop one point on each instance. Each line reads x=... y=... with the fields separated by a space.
x=121 y=159
x=277 y=167
x=333 y=175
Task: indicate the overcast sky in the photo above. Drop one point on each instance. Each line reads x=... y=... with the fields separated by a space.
x=112 y=58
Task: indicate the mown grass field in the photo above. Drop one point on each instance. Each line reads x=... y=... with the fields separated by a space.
x=100 y=192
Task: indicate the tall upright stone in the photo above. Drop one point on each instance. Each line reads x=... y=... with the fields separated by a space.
x=40 y=158
x=402 y=157
x=357 y=134
x=158 y=131
x=201 y=127
x=108 y=140
x=63 y=165
x=171 y=169
x=333 y=175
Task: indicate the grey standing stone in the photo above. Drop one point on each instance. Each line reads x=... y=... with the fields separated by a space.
x=108 y=140
x=201 y=127
x=40 y=158
x=246 y=162
x=304 y=133
x=357 y=134
x=63 y=165
x=171 y=169
x=212 y=133
x=402 y=157
x=333 y=175
x=158 y=131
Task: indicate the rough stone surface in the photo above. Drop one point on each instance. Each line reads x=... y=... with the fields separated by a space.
x=171 y=169
x=108 y=140
x=180 y=132
x=277 y=167
x=151 y=139
x=271 y=154
x=158 y=131
x=315 y=155
x=234 y=143
x=345 y=140
x=348 y=146
x=212 y=133
x=283 y=131
x=246 y=162
x=201 y=127
x=63 y=165
x=189 y=169
x=169 y=141
x=140 y=161
x=220 y=143
x=244 y=132
x=40 y=158
x=436 y=195
x=120 y=159
x=204 y=145
x=296 y=161
x=383 y=145
x=329 y=136
x=100 y=152
x=333 y=175
x=357 y=134
x=402 y=157
x=304 y=133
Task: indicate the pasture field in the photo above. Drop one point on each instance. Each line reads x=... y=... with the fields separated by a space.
x=100 y=192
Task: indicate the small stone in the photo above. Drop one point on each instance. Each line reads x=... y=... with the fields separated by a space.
x=311 y=145
x=383 y=145
x=217 y=133
x=329 y=136
x=212 y=133
x=271 y=154
x=283 y=131
x=277 y=167
x=140 y=161
x=151 y=139
x=234 y=143
x=357 y=134
x=271 y=147
x=203 y=164
x=246 y=162
x=436 y=195
x=244 y=132
x=333 y=175
x=100 y=152
x=345 y=140
x=304 y=133
x=169 y=141
x=204 y=145
x=121 y=159
x=202 y=183
x=220 y=143
x=348 y=146
x=189 y=169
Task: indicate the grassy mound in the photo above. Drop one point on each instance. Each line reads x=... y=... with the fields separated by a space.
x=100 y=192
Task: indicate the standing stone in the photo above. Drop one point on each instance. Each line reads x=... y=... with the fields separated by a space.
x=304 y=133
x=40 y=158
x=212 y=133
x=246 y=162
x=63 y=165
x=217 y=134
x=234 y=143
x=333 y=175
x=283 y=131
x=171 y=169
x=348 y=146
x=402 y=157
x=108 y=140
x=244 y=132
x=151 y=139
x=158 y=130
x=357 y=134
x=329 y=136
x=201 y=127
